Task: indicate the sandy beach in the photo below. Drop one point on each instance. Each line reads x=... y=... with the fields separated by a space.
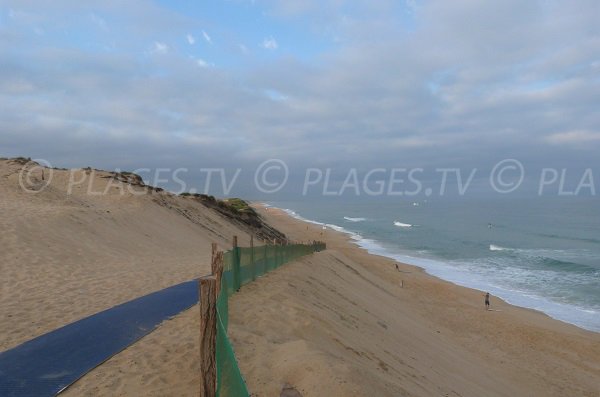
x=337 y=323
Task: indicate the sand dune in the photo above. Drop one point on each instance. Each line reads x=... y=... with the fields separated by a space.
x=337 y=323
x=67 y=256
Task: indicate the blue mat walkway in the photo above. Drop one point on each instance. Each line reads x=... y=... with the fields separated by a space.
x=46 y=365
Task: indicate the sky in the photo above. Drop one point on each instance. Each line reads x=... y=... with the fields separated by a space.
x=317 y=84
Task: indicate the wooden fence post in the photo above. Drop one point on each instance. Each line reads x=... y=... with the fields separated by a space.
x=252 y=257
x=208 y=337
x=217 y=266
x=212 y=257
x=237 y=283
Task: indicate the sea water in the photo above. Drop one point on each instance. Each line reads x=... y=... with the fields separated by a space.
x=541 y=253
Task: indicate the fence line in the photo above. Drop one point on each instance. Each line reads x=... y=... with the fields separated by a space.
x=221 y=376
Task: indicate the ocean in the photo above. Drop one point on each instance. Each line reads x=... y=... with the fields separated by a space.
x=541 y=253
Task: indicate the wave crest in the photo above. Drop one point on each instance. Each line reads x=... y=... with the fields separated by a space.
x=350 y=219
x=498 y=248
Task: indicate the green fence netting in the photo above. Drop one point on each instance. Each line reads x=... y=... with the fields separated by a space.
x=242 y=265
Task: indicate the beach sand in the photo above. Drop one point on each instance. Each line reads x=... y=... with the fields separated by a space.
x=335 y=323
x=339 y=323
x=68 y=256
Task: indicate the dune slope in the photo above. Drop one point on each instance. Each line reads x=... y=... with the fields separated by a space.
x=346 y=323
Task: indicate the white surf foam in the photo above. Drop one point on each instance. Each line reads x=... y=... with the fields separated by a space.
x=498 y=248
x=293 y=214
x=350 y=219
x=331 y=226
x=462 y=274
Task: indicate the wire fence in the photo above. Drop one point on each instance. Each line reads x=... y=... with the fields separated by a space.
x=242 y=265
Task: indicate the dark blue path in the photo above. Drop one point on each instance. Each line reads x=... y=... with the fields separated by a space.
x=47 y=364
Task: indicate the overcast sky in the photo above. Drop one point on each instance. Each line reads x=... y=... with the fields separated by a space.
x=316 y=83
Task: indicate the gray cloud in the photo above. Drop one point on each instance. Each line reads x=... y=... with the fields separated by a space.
x=465 y=85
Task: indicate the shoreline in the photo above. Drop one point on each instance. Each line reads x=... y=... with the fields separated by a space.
x=372 y=329
x=355 y=238
x=341 y=322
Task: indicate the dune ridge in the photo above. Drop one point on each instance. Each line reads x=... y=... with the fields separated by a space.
x=68 y=253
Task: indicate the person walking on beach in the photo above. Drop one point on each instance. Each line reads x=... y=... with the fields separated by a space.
x=487 y=301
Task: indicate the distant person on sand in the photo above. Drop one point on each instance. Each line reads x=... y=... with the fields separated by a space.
x=401 y=281
x=487 y=301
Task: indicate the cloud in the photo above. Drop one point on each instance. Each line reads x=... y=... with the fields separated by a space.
x=202 y=63
x=206 y=37
x=270 y=43
x=574 y=137
x=190 y=39
x=507 y=85
x=160 y=48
